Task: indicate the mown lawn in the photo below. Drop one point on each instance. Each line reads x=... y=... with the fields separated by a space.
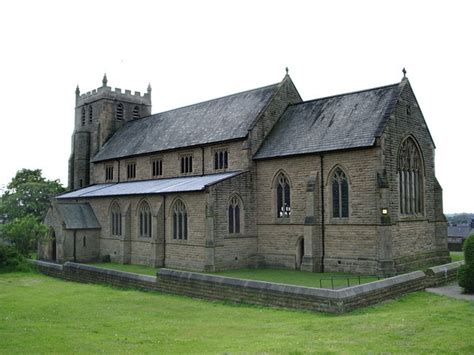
x=41 y=314
x=291 y=277
x=456 y=255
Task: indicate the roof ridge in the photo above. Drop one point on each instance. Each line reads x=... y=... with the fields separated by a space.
x=345 y=94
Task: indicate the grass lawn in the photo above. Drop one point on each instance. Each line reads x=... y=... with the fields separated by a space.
x=41 y=314
x=456 y=255
x=137 y=269
x=291 y=277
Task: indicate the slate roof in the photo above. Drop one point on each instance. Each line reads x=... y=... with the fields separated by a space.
x=221 y=119
x=460 y=231
x=77 y=216
x=160 y=186
x=344 y=121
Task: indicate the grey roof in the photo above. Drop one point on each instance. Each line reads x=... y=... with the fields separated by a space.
x=345 y=121
x=460 y=231
x=221 y=119
x=77 y=215
x=160 y=186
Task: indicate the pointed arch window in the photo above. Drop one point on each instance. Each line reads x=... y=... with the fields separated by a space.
x=145 y=220
x=116 y=220
x=83 y=116
x=410 y=178
x=119 y=112
x=340 y=194
x=136 y=113
x=234 y=211
x=283 y=200
x=180 y=221
x=90 y=114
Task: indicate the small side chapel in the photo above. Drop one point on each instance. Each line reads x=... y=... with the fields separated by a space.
x=259 y=178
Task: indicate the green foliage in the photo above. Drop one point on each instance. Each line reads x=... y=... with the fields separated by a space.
x=11 y=259
x=466 y=272
x=23 y=233
x=29 y=193
x=40 y=314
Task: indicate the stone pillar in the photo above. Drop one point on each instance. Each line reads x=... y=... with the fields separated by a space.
x=157 y=240
x=209 y=261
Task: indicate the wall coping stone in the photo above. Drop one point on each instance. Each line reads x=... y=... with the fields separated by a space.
x=444 y=268
x=118 y=273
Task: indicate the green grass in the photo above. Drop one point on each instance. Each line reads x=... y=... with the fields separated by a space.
x=294 y=277
x=456 y=255
x=40 y=314
x=137 y=269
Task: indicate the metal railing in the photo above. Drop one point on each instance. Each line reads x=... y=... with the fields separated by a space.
x=357 y=281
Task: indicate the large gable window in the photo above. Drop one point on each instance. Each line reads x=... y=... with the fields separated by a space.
x=180 y=221
x=340 y=194
x=410 y=178
x=234 y=215
x=116 y=220
x=145 y=220
x=283 y=201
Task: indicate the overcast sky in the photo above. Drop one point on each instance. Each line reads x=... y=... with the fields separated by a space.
x=192 y=51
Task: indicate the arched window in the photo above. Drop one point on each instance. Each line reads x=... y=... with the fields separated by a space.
x=410 y=178
x=90 y=114
x=116 y=220
x=180 y=221
x=234 y=215
x=84 y=243
x=283 y=201
x=136 y=113
x=145 y=220
x=119 y=112
x=83 y=116
x=340 y=194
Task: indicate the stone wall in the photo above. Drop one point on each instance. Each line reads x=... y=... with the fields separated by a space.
x=212 y=287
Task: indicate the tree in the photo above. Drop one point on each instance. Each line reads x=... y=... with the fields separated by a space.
x=29 y=193
x=23 y=233
x=466 y=272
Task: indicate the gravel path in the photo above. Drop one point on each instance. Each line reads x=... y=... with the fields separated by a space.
x=451 y=290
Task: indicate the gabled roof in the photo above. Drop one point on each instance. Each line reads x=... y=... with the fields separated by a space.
x=460 y=231
x=221 y=119
x=77 y=215
x=346 y=121
x=159 y=186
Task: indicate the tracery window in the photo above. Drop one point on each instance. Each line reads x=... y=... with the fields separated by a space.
x=410 y=178
x=234 y=215
x=221 y=159
x=145 y=220
x=283 y=200
x=116 y=220
x=119 y=112
x=180 y=221
x=340 y=194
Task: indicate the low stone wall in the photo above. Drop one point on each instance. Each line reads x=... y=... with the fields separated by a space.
x=213 y=287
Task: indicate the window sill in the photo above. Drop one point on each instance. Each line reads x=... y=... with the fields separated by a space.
x=238 y=236
x=283 y=220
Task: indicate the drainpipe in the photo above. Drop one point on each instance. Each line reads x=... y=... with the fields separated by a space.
x=322 y=214
x=74 y=247
x=164 y=230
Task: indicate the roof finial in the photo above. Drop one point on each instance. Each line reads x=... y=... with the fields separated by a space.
x=104 y=80
x=404 y=71
x=78 y=92
x=149 y=88
x=286 y=69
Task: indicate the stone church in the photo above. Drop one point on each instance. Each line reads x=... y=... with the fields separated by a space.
x=260 y=178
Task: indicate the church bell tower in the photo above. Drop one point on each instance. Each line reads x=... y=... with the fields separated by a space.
x=98 y=115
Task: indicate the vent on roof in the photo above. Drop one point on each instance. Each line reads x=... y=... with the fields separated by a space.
x=136 y=113
x=119 y=112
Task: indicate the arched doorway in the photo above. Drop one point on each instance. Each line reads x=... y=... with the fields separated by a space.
x=299 y=253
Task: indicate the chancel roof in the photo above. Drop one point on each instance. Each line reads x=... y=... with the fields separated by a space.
x=221 y=119
x=345 y=121
x=77 y=215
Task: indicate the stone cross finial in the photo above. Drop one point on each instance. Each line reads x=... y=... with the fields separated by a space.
x=286 y=69
x=404 y=71
x=149 y=88
x=104 y=80
x=78 y=92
